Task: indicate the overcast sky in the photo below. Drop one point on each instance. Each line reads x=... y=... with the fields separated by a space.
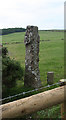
x=46 y=14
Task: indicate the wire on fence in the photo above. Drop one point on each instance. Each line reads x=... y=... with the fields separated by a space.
x=23 y=93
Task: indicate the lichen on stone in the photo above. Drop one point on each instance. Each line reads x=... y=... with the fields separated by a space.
x=31 y=41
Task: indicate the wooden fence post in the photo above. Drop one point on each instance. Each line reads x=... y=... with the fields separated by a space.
x=50 y=77
x=33 y=103
x=63 y=105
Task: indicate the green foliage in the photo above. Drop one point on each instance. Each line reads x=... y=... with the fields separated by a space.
x=11 y=71
x=11 y=30
x=4 y=51
x=53 y=112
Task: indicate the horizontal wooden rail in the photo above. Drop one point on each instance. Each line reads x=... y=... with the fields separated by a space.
x=33 y=103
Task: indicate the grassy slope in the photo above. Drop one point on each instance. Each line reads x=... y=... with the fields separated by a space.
x=51 y=53
x=51 y=59
x=14 y=37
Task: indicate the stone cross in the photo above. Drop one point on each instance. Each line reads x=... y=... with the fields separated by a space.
x=31 y=41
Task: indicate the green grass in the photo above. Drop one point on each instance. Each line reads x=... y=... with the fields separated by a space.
x=50 y=113
x=51 y=57
x=51 y=53
x=14 y=37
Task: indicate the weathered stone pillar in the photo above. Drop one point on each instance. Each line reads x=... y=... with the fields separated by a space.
x=32 y=75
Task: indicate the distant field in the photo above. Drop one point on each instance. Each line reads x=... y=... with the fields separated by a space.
x=51 y=53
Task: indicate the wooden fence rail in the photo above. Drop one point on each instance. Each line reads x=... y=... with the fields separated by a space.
x=33 y=103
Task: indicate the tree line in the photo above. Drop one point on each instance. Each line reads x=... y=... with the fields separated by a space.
x=11 y=30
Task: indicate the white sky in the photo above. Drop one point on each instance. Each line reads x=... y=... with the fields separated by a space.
x=46 y=14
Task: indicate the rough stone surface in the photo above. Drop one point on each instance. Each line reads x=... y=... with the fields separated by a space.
x=31 y=41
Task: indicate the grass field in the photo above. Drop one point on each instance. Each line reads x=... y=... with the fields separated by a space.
x=51 y=57
x=51 y=53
